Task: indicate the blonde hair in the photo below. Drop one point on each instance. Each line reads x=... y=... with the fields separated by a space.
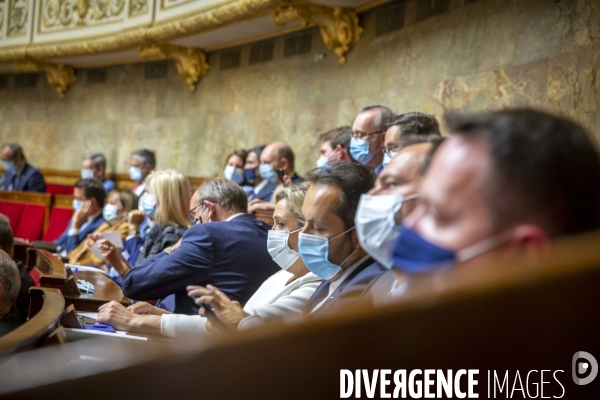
x=173 y=193
x=295 y=197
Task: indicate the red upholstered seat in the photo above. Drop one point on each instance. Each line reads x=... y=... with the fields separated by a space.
x=53 y=188
x=31 y=226
x=59 y=219
x=13 y=211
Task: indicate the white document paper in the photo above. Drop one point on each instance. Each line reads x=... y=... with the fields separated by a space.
x=113 y=237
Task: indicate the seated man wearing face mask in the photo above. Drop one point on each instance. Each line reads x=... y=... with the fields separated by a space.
x=275 y=156
x=368 y=135
x=407 y=129
x=227 y=249
x=504 y=180
x=93 y=165
x=142 y=163
x=382 y=209
x=335 y=145
x=88 y=200
x=328 y=242
x=20 y=176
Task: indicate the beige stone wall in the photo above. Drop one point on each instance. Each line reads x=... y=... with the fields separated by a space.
x=488 y=55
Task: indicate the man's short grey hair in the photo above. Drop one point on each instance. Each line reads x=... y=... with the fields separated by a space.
x=98 y=159
x=146 y=157
x=9 y=279
x=384 y=118
x=15 y=149
x=225 y=193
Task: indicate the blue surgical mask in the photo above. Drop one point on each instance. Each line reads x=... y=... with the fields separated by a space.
x=314 y=251
x=234 y=174
x=387 y=158
x=250 y=174
x=147 y=204
x=110 y=212
x=87 y=173
x=76 y=204
x=9 y=166
x=359 y=150
x=413 y=254
x=267 y=172
x=135 y=173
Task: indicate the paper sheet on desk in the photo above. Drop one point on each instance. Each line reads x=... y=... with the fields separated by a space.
x=113 y=237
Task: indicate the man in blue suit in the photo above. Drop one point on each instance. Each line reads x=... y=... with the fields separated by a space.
x=227 y=248
x=88 y=200
x=19 y=176
x=328 y=242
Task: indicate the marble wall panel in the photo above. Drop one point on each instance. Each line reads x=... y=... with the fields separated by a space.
x=488 y=55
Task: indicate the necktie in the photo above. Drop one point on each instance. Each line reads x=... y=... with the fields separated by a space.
x=318 y=296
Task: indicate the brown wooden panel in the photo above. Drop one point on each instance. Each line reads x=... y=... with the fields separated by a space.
x=63 y=201
x=39 y=325
x=105 y=291
x=264 y=216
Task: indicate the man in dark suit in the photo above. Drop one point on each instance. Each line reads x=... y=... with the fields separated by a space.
x=88 y=200
x=19 y=176
x=275 y=156
x=227 y=248
x=328 y=242
x=10 y=284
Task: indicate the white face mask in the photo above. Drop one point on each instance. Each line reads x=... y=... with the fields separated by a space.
x=87 y=173
x=376 y=225
x=277 y=245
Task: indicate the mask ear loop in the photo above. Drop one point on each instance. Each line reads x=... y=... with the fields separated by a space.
x=483 y=246
x=341 y=234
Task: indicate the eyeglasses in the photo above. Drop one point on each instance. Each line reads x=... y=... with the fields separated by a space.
x=191 y=215
x=364 y=135
x=387 y=150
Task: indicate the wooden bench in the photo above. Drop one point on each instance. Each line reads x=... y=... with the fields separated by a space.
x=45 y=312
x=264 y=216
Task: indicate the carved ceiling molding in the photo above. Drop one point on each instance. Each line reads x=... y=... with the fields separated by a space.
x=338 y=26
x=60 y=77
x=191 y=63
x=217 y=17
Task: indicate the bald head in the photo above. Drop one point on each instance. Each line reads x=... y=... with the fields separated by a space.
x=402 y=176
x=280 y=156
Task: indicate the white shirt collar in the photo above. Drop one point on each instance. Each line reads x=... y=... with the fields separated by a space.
x=234 y=216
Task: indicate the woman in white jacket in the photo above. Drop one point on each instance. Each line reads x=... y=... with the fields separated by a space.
x=281 y=298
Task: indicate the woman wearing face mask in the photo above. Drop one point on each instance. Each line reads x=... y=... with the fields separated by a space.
x=118 y=204
x=281 y=299
x=165 y=203
x=234 y=167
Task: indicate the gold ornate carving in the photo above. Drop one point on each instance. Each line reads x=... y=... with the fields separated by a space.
x=191 y=63
x=18 y=16
x=60 y=77
x=219 y=16
x=338 y=26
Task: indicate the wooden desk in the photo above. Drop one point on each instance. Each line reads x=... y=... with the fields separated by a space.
x=105 y=290
x=21 y=252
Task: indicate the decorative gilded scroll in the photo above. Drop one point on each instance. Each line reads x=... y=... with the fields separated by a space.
x=60 y=77
x=338 y=26
x=191 y=63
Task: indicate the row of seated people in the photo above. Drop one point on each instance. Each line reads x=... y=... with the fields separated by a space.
x=504 y=180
